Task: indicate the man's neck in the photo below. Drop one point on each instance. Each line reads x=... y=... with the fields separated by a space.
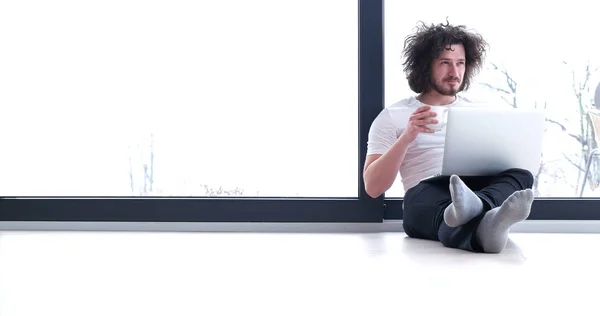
x=434 y=98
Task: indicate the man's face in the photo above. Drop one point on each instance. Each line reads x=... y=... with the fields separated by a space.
x=448 y=70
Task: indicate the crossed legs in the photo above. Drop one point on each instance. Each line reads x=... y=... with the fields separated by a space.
x=475 y=214
x=492 y=232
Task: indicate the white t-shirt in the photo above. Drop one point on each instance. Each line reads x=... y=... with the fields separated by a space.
x=424 y=156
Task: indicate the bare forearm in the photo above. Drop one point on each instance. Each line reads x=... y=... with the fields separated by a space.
x=381 y=174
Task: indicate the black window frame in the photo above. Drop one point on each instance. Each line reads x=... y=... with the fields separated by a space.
x=239 y=209
x=258 y=209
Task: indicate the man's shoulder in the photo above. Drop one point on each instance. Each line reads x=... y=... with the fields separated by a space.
x=399 y=112
x=406 y=103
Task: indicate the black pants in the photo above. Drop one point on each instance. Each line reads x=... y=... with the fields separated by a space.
x=424 y=205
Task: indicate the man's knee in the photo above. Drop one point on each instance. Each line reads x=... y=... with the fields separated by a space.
x=524 y=176
x=409 y=220
x=409 y=229
x=418 y=219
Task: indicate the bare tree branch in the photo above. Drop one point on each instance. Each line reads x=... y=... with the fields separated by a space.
x=578 y=138
x=151 y=162
x=587 y=77
x=576 y=165
x=512 y=85
x=574 y=85
x=538 y=175
x=564 y=129
x=495 y=88
x=130 y=171
x=510 y=82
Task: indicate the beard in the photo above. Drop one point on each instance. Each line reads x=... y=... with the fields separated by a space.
x=445 y=90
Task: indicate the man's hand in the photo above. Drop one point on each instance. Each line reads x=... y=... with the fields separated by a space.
x=416 y=123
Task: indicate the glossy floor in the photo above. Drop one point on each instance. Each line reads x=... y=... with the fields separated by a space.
x=113 y=273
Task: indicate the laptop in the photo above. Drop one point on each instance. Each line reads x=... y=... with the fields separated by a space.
x=483 y=141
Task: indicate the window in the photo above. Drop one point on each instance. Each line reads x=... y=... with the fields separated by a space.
x=532 y=62
x=178 y=111
x=181 y=98
x=239 y=112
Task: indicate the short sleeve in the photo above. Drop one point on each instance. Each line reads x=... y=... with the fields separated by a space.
x=382 y=134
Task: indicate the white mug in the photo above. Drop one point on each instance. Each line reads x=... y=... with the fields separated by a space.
x=442 y=117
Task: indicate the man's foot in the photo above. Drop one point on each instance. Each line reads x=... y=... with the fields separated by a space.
x=465 y=204
x=492 y=232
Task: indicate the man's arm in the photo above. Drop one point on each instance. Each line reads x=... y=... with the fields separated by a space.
x=386 y=153
x=380 y=171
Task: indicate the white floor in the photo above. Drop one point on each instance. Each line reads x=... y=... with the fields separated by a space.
x=136 y=273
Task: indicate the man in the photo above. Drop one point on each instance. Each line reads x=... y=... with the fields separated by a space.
x=472 y=213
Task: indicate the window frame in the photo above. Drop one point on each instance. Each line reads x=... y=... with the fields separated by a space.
x=240 y=209
x=543 y=208
x=587 y=209
x=257 y=209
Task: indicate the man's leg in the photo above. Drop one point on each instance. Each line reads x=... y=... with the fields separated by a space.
x=425 y=205
x=423 y=208
x=506 y=200
x=492 y=232
x=503 y=185
x=466 y=204
x=423 y=215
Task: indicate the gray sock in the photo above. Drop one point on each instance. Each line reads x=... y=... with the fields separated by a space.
x=465 y=204
x=492 y=232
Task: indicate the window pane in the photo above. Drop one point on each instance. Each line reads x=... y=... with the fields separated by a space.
x=253 y=98
x=533 y=62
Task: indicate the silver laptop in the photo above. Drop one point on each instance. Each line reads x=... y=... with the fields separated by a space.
x=487 y=140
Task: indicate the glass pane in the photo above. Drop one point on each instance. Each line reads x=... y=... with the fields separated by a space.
x=252 y=98
x=533 y=62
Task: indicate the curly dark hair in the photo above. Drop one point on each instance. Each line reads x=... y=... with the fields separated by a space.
x=426 y=45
